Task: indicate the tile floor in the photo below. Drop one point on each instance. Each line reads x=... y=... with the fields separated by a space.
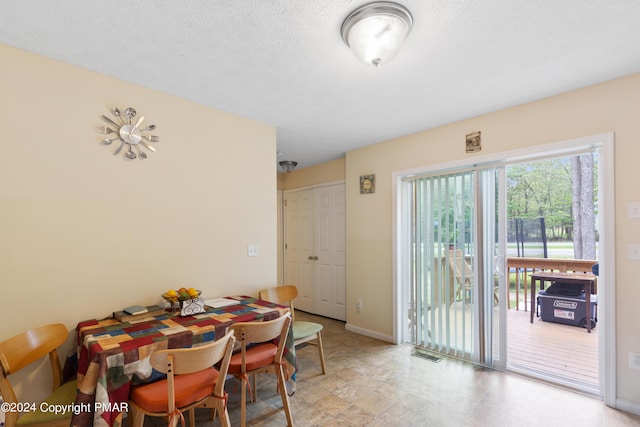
x=373 y=383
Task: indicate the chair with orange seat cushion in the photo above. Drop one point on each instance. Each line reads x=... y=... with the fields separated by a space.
x=21 y=351
x=261 y=349
x=303 y=332
x=192 y=382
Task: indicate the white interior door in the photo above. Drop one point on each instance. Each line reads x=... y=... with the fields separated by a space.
x=315 y=256
x=330 y=265
x=298 y=246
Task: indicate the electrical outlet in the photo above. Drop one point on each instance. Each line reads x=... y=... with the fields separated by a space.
x=359 y=306
x=253 y=250
x=634 y=360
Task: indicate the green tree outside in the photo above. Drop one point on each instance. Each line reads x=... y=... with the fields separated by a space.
x=544 y=189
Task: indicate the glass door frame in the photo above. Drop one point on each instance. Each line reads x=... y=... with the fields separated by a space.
x=606 y=330
x=471 y=200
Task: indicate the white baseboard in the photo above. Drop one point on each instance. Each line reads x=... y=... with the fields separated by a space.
x=628 y=406
x=368 y=333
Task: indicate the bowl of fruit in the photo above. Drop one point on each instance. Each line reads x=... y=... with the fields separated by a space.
x=184 y=301
x=183 y=294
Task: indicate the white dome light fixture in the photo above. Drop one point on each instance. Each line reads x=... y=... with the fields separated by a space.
x=288 y=165
x=375 y=32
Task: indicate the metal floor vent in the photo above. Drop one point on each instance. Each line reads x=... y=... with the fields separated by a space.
x=425 y=355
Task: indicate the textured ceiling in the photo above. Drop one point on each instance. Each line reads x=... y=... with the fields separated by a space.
x=283 y=62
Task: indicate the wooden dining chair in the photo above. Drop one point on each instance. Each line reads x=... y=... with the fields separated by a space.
x=261 y=350
x=309 y=332
x=21 y=351
x=462 y=274
x=192 y=382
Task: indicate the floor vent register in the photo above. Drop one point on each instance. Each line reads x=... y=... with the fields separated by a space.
x=424 y=355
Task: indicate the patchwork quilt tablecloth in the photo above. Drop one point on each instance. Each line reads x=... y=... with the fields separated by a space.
x=112 y=355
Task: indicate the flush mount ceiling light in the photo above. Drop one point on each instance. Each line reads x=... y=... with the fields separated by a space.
x=288 y=165
x=375 y=32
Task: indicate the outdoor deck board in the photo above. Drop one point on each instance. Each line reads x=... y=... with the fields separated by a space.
x=557 y=349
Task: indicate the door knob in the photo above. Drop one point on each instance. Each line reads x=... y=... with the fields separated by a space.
x=313 y=258
x=310 y=257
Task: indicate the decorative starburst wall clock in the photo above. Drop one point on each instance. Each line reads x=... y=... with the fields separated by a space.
x=128 y=131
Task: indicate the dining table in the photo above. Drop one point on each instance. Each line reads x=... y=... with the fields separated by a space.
x=111 y=355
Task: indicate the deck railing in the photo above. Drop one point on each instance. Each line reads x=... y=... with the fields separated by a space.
x=525 y=266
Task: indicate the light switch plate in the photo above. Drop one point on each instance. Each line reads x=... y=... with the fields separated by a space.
x=634 y=210
x=634 y=251
x=634 y=360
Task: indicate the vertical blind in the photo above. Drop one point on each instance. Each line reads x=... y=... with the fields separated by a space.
x=441 y=309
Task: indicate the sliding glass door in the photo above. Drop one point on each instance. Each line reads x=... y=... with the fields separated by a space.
x=455 y=262
x=450 y=265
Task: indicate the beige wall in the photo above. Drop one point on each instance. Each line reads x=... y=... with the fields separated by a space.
x=599 y=109
x=313 y=175
x=84 y=232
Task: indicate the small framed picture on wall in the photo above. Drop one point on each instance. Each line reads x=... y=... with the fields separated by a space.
x=473 y=142
x=367 y=184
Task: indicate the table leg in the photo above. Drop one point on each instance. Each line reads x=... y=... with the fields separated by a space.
x=524 y=287
x=587 y=300
x=517 y=289
x=533 y=300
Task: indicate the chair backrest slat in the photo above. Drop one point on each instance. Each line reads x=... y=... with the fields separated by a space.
x=281 y=295
x=23 y=349
x=259 y=332
x=460 y=265
x=193 y=359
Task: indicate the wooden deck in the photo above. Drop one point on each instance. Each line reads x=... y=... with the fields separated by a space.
x=566 y=353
